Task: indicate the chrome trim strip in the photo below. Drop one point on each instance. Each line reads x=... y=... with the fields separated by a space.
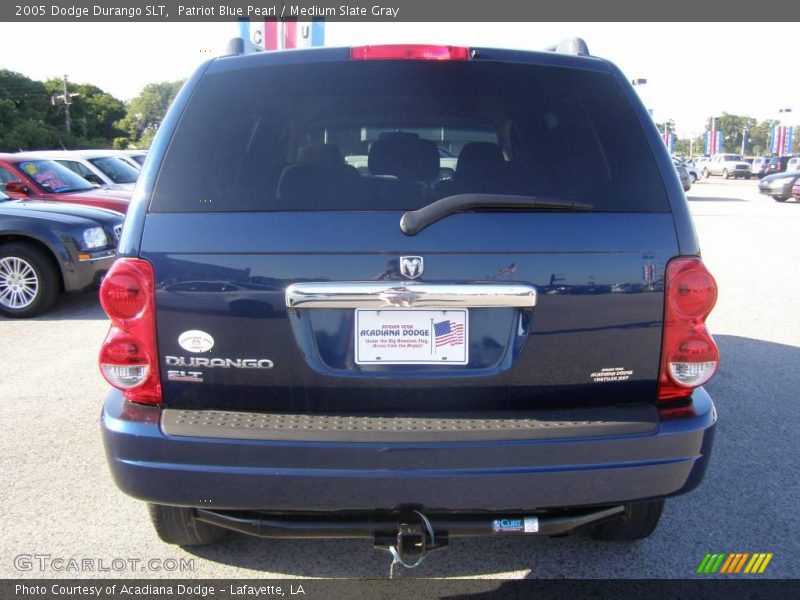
x=109 y=254
x=409 y=294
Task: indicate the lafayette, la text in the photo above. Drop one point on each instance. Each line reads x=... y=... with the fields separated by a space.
x=283 y=11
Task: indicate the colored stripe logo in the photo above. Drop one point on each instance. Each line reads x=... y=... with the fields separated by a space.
x=734 y=563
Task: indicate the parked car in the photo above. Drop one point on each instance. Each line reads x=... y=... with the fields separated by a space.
x=727 y=165
x=133 y=157
x=777 y=164
x=691 y=170
x=793 y=164
x=50 y=247
x=779 y=186
x=796 y=190
x=96 y=166
x=683 y=174
x=25 y=175
x=411 y=377
x=698 y=161
x=759 y=166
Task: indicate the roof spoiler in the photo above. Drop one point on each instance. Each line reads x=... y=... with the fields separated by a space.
x=239 y=45
x=574 y=46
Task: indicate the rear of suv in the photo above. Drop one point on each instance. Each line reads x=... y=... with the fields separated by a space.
x=302 y=349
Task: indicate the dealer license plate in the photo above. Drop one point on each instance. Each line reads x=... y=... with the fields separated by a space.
x=412 y=337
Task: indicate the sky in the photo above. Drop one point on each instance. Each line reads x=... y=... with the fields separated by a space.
x=693 y=70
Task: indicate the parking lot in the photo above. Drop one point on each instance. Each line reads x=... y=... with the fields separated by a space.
x=58 y=498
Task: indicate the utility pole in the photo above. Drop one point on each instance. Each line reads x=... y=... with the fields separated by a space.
x=66 y=100
x=744 y=137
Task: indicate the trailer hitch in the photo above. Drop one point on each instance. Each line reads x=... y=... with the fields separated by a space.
x=413 y=542
x=409 y=535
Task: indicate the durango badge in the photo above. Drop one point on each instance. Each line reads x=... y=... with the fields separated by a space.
x=195 y=340
x=411 y=266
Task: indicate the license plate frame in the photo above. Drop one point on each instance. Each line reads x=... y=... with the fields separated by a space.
x=445 y=340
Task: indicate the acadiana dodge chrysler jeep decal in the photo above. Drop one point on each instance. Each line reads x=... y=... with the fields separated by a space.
x=611 y=374
x=220 y=363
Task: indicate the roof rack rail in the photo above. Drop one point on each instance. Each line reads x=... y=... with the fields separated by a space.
x=239 y=45
x=574 y=46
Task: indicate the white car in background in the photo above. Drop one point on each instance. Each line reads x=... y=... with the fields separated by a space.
x=134 y=158
x=759 y=166
x=100 y=167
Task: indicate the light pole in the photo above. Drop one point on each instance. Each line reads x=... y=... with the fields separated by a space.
x=744 y=137
x=641 y=81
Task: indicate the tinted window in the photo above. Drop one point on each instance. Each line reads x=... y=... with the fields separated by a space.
x=367 y=135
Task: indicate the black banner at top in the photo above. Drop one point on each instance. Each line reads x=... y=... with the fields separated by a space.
x=388 y=10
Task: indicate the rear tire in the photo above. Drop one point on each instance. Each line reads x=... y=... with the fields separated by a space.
x=747 y=176
x=638 y=522
x=177 y=525
x=725 y=173
x=779 y=199
x=29 y=281
x=694 y=177
x=706 y=173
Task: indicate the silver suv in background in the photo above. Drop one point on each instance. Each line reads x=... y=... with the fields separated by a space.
x=727 y=165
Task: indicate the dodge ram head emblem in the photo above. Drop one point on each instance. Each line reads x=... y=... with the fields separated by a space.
x=411 y=266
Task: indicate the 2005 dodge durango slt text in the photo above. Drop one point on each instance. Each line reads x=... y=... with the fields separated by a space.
x=302 y=349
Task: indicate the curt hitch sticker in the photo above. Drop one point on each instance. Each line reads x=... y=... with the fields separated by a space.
x=524 y=525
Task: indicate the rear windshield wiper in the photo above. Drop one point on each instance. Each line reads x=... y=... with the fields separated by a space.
x=415 y=221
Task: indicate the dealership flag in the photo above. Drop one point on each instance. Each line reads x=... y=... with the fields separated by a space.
x=274 y=34
x=713 y=142
x=669 y=141
x=782 y=139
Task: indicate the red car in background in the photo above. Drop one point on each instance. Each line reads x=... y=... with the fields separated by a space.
x=25 y=176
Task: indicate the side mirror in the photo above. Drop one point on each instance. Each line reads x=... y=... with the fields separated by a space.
x=16 y=187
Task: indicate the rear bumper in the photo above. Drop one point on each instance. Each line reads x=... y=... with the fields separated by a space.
x=229 y=473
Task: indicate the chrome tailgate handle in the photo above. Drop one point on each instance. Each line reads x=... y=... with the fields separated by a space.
x=370 y=294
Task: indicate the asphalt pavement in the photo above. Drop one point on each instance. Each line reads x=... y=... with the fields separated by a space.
x=59 y=503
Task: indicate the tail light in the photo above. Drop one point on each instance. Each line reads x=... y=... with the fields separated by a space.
x=129 y=356
x=689 y=356
x=409 y=52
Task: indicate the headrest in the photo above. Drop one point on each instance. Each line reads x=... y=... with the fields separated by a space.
x=480 y=155
x=405 y=156
x=320 y=154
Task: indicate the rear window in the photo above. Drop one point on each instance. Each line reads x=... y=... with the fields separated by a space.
x=380 y=135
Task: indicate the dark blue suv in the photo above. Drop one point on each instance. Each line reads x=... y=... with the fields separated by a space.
x=313 y=334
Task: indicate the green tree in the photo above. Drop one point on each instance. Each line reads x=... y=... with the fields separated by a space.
x=23 y=112
x=146 y=111
x=93 y=114
x=760 y=137
x=733 y=130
